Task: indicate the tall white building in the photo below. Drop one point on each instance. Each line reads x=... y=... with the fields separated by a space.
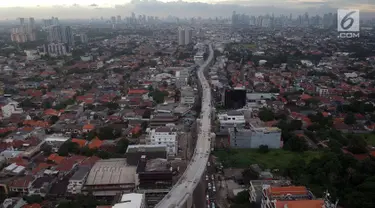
x=181 y=36
x=188 y=35
x=166 y=136
x=57 y=49
x=185 y=35
x=84 y=38
x=131 y=200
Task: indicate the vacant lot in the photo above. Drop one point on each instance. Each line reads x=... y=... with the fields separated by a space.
x=274 y=159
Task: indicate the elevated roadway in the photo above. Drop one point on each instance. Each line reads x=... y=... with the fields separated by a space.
x=181 y=195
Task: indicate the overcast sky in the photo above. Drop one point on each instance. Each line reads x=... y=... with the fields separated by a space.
x=10 y=9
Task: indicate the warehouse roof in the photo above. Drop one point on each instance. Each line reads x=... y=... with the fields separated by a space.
x=111 y=171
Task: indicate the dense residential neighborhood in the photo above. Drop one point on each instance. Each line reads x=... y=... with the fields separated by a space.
x=112 y=113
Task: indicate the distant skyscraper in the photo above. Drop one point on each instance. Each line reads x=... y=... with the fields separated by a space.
x=113 y=20
x=185 y=36
x=61 y=34
x=68 y=36
x=84 y=38
x=22 y=21
x=118 y=19
x=188 y=35
x=181 y=36
x=31 y=24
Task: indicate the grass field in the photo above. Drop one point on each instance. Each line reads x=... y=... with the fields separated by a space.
x=274 y=159
x=369 y=138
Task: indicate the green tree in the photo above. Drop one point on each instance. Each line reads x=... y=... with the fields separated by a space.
x=350 y=119
x=68 y=147
x=266 y=115
x=32 y=199
x=296 y=144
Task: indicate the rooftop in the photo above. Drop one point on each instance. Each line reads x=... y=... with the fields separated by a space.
x=146 y=148
x=130 y=201
x=80 y=173
x=111 y=171
x=300 y=203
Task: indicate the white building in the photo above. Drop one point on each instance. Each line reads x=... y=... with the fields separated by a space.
x=188 y=36
x=181 y=36
x=32 y=55
x=77 y=181
x=185 y=36
x=11 y=108
x=166 y=136
x=182 y=78
x=57 y=49
x=187 y=96
x=132 y=200
x=84 y=38
x=229 y=120
x=255 y=137
x=55 y=141
x=322 y=90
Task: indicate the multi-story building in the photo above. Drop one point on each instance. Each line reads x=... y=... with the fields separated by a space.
x=229 y=120
x=131 y=200
x=252 y=137
x=11 y=108
x=185 y=36
x=61 y=34
x=162 y=119
x=166 y=136
x=181 y=36
x=292 y=196
x=57 y=49
x=188 y=36
x=135 y=152
x=77 y=181
x=322 y=90
x=84 y=38
x=182 y=77
x=187 y=96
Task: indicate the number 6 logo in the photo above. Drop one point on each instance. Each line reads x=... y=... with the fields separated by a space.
x=348 y=20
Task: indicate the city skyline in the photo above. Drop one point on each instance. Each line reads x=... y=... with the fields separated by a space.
x=97 y=8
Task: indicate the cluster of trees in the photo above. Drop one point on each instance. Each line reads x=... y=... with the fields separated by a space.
x=82 y=201
x=347 y=179
x=241 y=200
x=357 y=107
x=104 y=133
x=70 y=147
x=158 y=96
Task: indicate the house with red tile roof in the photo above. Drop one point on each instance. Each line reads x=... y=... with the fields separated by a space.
x=52 y=112
x=21 y=185
x=81 y=142
x=95 y=143
x=88 y=127
x=32 y=206
x=55 y=158
x=137 y=92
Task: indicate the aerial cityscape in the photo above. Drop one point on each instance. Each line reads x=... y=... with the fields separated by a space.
x=182 y=104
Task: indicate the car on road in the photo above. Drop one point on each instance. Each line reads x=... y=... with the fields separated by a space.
x=209 y=186
x=212 y=205
x=208 y=164
x=206 y=177
x=213 y=188
x=212 y=177
x=207 y=197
